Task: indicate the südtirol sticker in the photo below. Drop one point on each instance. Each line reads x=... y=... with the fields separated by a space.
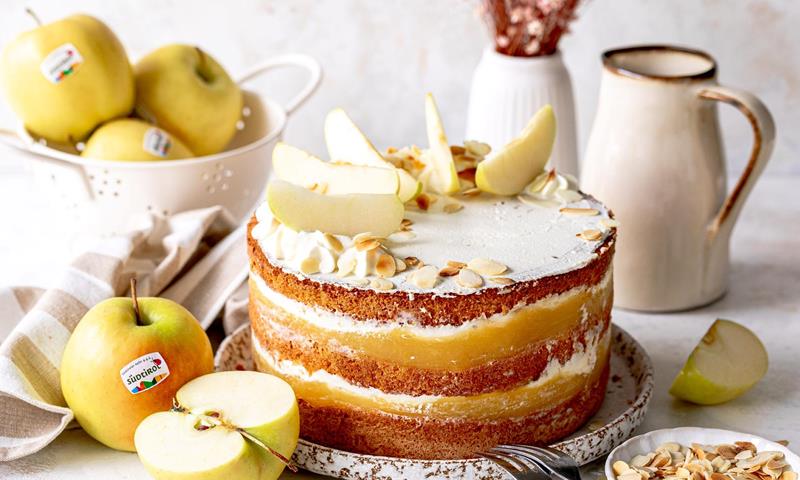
x=156 y=142
x=144 y=373
x=61 y=63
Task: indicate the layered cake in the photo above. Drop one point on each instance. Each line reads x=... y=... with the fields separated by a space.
x=443 y=317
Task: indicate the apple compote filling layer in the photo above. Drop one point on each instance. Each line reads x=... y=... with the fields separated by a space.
x=557 y=384
x=439 y=348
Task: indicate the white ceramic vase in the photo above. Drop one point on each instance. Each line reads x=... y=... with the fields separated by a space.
x=506 y=91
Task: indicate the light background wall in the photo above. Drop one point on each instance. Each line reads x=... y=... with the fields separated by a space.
x=380 y=56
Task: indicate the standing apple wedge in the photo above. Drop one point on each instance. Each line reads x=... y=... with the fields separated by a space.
x=301 y=168
x=301 y=209
x=345 y=141
x=130 y=139
x=220 y=427
x=126 y=359
x=727 y=362
x=443 y=174
x=65 y=78
x=183 y=89
x=519 y=162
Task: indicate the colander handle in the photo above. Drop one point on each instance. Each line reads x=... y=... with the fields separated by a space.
x=310 y=64
x=11 y=139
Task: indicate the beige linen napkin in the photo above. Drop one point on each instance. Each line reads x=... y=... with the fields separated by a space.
x=34 y=411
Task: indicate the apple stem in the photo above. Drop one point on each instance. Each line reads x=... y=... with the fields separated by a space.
x=33 y=15
x=135 y=302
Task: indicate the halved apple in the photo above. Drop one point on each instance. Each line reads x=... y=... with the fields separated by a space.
x=443 y=175
x=727 y=362
x=301 y=168
x=209 y=436
x=349 y=214
x=519 y=162
x=347 y=142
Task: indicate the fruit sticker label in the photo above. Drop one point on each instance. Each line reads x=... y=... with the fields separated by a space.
x=156 y=142
x=144 y=373
x=61 y=63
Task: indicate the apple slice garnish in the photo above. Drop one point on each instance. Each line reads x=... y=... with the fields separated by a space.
x=235 y=424
x=348 y=214
x=522 y=159
x=347 y=142
x=301 y=168
x=442 y=176
x=727 y=362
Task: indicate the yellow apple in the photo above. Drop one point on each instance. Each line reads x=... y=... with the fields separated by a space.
x=442 y=173
x=65 y=78
x=209 y=434
x=301 y=209
x=184 y=90
x=522 y=160
x=727 y=362
x=132 y=139
x=301 y=168
x=345 y=141
x=125 y=360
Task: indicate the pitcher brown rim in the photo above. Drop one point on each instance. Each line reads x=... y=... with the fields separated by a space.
x=607 y=56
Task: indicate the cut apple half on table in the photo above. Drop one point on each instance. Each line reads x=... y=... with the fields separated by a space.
x=348 y=214
x=727 y=362
x=301 y=168
x=345 y=141
x=442 y=175
x=222 y=427
x=522 y=159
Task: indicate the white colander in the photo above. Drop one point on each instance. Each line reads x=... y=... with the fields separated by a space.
x=105 y=196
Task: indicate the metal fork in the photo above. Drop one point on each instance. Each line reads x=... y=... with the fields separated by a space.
x=549 y=460
x=517 y=468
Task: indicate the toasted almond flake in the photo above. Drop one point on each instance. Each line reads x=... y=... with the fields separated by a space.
x=746 y=446
x=471 y=192
x=630 y=475
x=718 y=476
x=423 y=201
x=455 y=264
x=619 y=467
x=448 y=271
x=333 y=243
x=309 y=265
x=608 y=223
x=727 y=452
x=425 y=277
x=744 y=455
x=406 y=223
x=453 y=207
x=367 y=245
x=501 y=280
x=433 y=198
x=400 y=265
x=364 y=236
x=468 y=278
x=457 y=150
x=586 y=212
x=485 y=266
x=402 y=236
x=381 y=284
x=479 y=149
x=788 y=475
x=640 y=461
x=385 y=266
x=683 y=473
x=412 y=261
x=785 y=443
x=590 y=234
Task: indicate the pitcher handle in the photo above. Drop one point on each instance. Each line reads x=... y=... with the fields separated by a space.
x=763 y=141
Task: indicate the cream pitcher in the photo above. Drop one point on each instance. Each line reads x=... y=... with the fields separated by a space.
x=655 y=158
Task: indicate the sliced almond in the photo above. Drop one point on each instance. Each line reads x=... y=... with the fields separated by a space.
x=471 y=192
x=590 y=234
x=412 y=262
x=630 y=475
x=619 y=467
x=455 y=264
x=402 y=236
x=501 y=280
x=746 y=446
x=381 y=284
x=608 y=223
x=367 y=245
x=400 y=265
x=579 y=212
x=788 y=475
x=468 y=279
x=423 y=201
x=406 y=223
x=453 y=207
x=457 y=150
x=640 y=461
x=333 y=243
x=385 y=266
x=425 y=277
x=485 y=266
x=448 y=271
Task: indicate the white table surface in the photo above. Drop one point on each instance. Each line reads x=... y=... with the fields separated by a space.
x=764 y=295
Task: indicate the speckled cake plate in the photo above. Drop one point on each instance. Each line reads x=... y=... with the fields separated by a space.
x=623 y=409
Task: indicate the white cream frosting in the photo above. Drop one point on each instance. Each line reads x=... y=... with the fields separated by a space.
x=582 y=362
x=338 y=322
x=533 y=241
x=551 y=189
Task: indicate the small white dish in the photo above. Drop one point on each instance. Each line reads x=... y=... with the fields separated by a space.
x=648 y=442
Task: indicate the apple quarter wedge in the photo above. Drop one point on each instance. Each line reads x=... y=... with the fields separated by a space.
x=301 y=168
x=345 y=141
x=522 y=159
x=443 y=176
x=348 y=214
